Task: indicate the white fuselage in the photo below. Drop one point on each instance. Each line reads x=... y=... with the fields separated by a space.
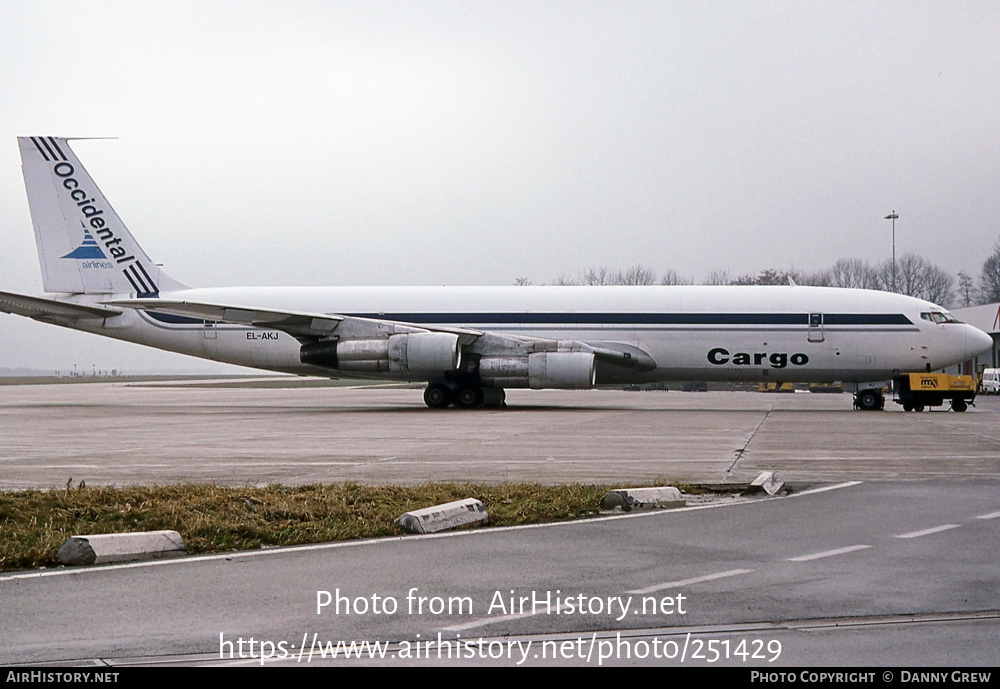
x=784 y=333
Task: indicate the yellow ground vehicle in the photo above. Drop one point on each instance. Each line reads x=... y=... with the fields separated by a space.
x=918 y=390
x=826 y=387
x=776 y=387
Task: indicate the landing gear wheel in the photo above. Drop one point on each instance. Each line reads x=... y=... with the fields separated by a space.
x=437 y=396
x=469 y=397
x=870 y=400
x=959 y=405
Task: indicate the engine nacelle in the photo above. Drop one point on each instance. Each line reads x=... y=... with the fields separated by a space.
x=409 y=353
x=424 y=352
x=563 y=370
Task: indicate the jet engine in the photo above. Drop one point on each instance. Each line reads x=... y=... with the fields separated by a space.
x=564 y=370
x=408 y=353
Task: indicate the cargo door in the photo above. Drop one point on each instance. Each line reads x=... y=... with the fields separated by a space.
x=816 y=327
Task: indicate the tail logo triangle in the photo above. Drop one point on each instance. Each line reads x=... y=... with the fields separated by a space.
x=89 y=249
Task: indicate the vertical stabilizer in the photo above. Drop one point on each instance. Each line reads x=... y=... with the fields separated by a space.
x=83 y=246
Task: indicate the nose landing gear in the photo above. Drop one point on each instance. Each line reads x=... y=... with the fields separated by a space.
x=869 y=400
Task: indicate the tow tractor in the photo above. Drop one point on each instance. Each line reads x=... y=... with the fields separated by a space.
x=918 y=390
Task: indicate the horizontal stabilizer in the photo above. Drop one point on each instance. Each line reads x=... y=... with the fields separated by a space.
x=40 y=308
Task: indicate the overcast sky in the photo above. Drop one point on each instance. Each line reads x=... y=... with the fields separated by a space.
x=470 y=143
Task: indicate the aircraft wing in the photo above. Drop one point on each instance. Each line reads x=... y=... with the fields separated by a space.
x=292 y=322
x=42 y=309
x=299 y=324
x=306 y=327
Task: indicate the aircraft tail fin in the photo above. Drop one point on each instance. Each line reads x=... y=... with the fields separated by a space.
x=83 y=246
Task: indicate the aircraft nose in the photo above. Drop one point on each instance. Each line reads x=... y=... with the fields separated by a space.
x=977 y=341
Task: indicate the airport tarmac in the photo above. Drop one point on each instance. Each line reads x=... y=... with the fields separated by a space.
x=243 y=434
x=895 y=574
x=884 y=554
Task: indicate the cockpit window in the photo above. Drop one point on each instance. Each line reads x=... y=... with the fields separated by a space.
x=938 y=317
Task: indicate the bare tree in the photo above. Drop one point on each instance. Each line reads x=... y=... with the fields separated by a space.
x=854 y=273
x=966 y=289
x=719 y=276
x=768 y=276
x=917 y=277
x=522 y=282
x=634 y=275
x=914 y=275
x=821 y=278
x=989 y=281
x=602 y=275
x=939 y=287
x=597 y=276
x=672 y=277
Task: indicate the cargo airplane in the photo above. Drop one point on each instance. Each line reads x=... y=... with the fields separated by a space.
x=467 y=343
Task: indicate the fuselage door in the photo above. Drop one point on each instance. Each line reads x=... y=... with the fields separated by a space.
x=816 y=327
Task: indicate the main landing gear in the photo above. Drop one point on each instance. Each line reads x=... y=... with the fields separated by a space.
x=442 y=395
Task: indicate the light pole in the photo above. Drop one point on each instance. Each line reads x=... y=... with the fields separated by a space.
x=892 y=216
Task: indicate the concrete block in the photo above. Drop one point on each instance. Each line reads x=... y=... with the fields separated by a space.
x=767 y=482
x=450 y=515
x=663 y=497
x=127 y=547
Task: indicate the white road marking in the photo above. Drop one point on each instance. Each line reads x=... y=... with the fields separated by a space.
x=828 y=553
x=482 y=622
x=686 y=582
x=496 y=618
x=927 y=532
x=991 y=515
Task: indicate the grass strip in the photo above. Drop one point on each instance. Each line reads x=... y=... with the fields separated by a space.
x=212 y=519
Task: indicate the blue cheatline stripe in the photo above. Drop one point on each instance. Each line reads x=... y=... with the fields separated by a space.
x=626 y=319
x=866 y=319
x=582 y=320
